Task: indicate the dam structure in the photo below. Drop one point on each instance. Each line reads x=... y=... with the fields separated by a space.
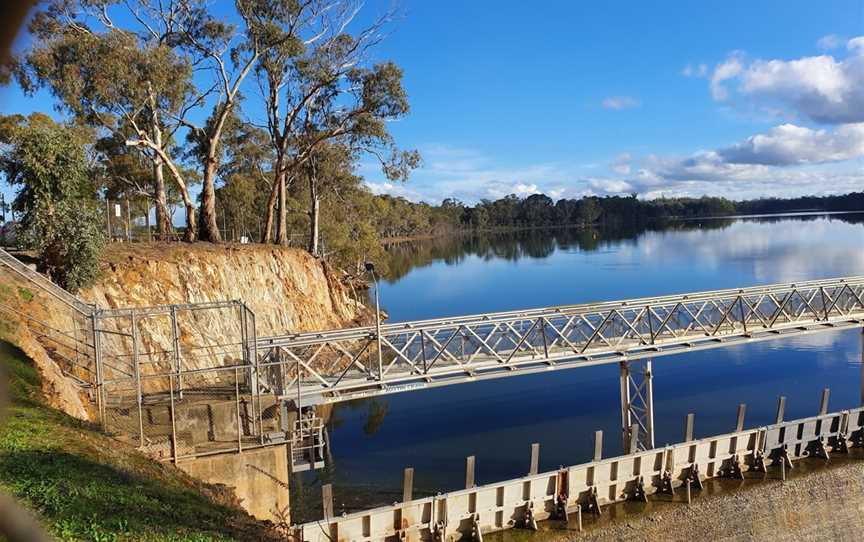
x=176 y=393
x=180 y=394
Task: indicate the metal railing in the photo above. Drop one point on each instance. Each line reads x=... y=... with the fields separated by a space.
x=339 y=365
x=43 y=283
x=72 y=347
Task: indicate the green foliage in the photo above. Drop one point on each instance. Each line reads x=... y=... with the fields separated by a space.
x=56 y=198
x=85 y=486
x=69 y=239
x=25 y=294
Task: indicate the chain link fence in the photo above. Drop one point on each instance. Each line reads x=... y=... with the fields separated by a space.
x=186 y=380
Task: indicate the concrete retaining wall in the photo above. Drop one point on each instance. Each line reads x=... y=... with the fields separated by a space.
x=259 y=478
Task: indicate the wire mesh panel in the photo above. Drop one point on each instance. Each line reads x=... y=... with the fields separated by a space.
x=181 y=381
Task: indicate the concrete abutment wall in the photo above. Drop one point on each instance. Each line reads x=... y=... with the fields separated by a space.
x=258 y=477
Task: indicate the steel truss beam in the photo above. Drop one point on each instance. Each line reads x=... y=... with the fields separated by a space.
x=637 y=403
x=342 y=364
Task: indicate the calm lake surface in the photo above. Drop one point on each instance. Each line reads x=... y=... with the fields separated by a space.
x=434 y=430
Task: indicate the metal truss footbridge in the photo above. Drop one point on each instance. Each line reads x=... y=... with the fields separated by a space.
x=195 y=379
x=344 y=364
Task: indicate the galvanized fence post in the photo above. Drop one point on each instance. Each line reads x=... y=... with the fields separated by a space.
x=781 y=407
x=408 y=485
x=175 y=341
x=138 y=383
x=100 y=377
x=535 y=459
x=237 y=402
x=823 y=404
x=173 y=420
x=598 y=445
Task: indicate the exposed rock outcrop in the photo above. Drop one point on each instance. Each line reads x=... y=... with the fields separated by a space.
x=287 y=289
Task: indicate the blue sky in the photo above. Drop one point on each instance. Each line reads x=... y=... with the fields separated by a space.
x=734 y=98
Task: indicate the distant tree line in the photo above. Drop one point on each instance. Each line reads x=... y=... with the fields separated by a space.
x=541 y=211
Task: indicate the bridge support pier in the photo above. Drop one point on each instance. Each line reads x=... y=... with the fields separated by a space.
x=637 y=403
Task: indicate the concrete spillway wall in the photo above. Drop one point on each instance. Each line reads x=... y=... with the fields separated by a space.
x=587 y=488
x=258 y=477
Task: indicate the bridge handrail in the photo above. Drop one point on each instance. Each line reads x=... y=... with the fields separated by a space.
x=559 y=310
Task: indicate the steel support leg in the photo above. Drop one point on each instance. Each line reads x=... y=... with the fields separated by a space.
x=637 y=402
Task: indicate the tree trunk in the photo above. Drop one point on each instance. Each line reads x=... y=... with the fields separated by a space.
x=267 y=234
x=191 y=220
x=314 y=213
x=209 y=225
x=282 y=238
x=163 y=216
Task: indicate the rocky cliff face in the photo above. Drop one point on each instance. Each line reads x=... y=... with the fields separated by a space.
x=287 y=289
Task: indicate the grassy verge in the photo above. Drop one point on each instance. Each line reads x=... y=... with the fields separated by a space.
x=86 y=486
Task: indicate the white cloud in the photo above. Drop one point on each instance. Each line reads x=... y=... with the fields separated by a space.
x=728 y=69
x=831 y=41
x=822 y=88
x=788 y=144
x=695 y=70
x=855 y=44
x=609 y=186
x=393 y=189
x=760 y=159
x=620 y=102
x=468 y=175
x=497 y=190
x=621 y=164
x=787 y=160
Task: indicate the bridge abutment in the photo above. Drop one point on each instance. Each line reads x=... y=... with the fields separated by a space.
x=258 y=477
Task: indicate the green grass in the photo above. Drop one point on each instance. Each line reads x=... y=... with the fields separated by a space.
x=86 y=486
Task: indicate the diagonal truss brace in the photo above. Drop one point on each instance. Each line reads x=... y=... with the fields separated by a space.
x=637 y=402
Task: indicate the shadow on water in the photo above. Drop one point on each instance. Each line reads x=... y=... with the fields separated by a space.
x=373 y=440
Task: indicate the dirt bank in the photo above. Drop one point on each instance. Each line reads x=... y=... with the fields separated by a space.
x=287 y=289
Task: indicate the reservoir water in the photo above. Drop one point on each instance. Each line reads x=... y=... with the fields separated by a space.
x=372 y=441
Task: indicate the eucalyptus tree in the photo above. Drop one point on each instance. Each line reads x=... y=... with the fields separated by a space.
x=328 y=171
x=246 y=177
x=319 y=88
x=128 y=80
x=148 y=67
